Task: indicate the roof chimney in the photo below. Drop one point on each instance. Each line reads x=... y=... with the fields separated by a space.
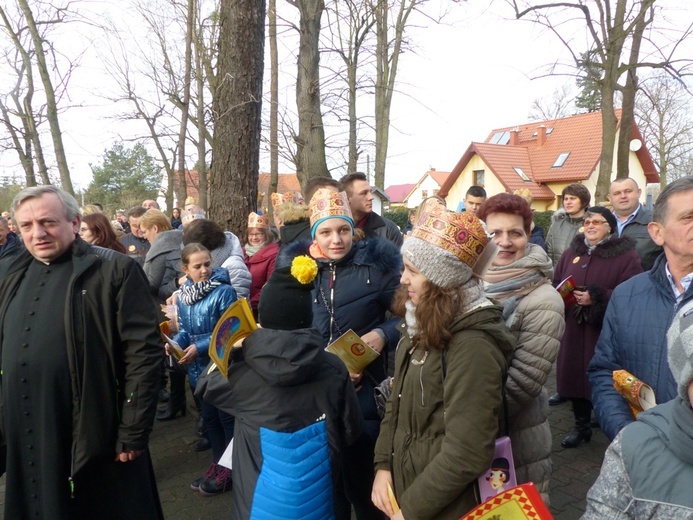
x=514 y=139
x=541 y=135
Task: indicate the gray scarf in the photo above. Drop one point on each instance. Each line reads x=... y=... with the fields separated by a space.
x=251 y=250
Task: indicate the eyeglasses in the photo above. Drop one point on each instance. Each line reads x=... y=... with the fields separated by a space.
x=256 y=235
x=590 y=222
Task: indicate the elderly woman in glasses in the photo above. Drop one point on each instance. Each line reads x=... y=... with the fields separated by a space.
x=598 y=260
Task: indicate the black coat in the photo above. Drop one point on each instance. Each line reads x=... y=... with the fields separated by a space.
x=114 y=353
x=610 y=264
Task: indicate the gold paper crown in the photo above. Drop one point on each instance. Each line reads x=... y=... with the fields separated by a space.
x=190 y=200
x=190 y=215
x=289 y=196
x=258 y=221
x=461 y=234
x=329 y=203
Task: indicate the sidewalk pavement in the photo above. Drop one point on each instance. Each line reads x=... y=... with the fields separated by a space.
x=176 y=464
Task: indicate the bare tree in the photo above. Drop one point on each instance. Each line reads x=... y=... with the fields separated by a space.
x=610 y=25
x=237 y=113
x=391 y=18
x=49 y=92
x=558 y=106
x=666 y=121
x=310 y=141
x=349 y=25
x=274 y=102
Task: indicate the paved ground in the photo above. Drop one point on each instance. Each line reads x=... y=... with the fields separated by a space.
x=177 y=464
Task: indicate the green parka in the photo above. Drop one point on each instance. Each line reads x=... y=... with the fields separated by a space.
x=438 y=432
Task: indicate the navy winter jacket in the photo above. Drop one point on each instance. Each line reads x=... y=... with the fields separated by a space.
x=358 y=291
x=634 y=338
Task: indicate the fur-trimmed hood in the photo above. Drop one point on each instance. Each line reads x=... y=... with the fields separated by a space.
x=290 y=213
x=561 y=214
x=612 y=248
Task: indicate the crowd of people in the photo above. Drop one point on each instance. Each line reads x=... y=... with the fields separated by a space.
x=460 y=308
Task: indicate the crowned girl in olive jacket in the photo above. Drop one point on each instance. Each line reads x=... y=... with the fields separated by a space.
x=442 y=418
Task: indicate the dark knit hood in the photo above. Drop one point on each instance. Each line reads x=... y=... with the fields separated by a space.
x=612 y=248
x=283 y=357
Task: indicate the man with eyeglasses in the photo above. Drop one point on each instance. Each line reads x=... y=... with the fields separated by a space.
x=633 y=219
x=640 y=310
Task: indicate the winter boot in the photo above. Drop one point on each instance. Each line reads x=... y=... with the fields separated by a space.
x=176 y=402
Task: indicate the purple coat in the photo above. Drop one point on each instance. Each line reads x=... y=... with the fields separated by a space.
x=610 y=263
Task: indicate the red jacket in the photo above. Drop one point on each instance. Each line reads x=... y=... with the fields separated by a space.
x=260 y=265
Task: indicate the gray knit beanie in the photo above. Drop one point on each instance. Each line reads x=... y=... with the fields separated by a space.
x=680 y=341
x=441 y=267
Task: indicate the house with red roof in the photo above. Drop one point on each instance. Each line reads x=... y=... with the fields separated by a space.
x=544 y=157
x=411 y=195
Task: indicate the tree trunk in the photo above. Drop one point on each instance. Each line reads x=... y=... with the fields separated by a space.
x=629 y=91
x=387 y=58
x=185 y=107
x=51 y=105
x=274 y=105
x=238 y=114
x=351 y=79
x=310 y=142
x=611 y=56
x=201 y=131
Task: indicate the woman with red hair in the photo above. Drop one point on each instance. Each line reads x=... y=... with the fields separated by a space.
x=96 y=229
x=519 y=279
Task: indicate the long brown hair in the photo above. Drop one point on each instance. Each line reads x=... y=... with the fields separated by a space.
x=102 y=229
x=434 y=314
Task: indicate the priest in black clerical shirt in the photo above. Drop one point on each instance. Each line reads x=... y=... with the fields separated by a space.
x=80 y=355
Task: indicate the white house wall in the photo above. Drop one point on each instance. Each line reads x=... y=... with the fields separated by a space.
x=429 y=184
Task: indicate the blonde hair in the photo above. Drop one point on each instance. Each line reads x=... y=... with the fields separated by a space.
x=154 y=217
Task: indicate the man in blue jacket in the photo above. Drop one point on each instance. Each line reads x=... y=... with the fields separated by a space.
x=641 y=309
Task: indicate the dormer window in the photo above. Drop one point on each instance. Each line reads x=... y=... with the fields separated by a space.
x=560 y=161
x=522 y=174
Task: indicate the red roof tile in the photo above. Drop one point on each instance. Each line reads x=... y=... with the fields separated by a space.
x=286 y=182
x=580 y=136
x=399 y=192
x=439 y=177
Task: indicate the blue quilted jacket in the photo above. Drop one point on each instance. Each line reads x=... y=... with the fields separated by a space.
x=295 y=410
x=634 y=338
x=196 y=322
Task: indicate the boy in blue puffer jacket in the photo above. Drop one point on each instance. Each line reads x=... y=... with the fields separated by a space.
x=296 y=406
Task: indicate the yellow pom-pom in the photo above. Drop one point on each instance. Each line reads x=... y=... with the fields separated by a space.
x=304 y=269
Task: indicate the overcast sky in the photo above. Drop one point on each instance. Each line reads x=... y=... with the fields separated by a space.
x=477 y=71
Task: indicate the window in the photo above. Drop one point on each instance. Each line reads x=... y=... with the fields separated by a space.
x=500 y=138
x=435 y=192
x=424 y=194
x=522 y=174
x=478 y=178
x=560 y=161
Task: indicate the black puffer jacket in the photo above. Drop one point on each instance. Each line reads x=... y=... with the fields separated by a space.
x=108 y=361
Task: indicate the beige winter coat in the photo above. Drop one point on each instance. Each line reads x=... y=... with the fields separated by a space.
x=538 y=323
